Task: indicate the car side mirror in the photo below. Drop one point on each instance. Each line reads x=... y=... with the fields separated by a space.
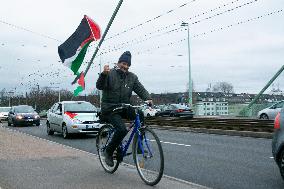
x=58 y=112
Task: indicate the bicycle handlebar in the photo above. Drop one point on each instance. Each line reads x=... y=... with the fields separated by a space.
x=124 y=105
x=121 y=106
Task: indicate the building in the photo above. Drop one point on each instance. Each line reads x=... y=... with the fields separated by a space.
x=222 y=104
x=211 y=104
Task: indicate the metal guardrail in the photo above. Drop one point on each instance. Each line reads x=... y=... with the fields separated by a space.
x=254 y=125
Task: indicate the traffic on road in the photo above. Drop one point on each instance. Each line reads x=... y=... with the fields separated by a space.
x=215 y=161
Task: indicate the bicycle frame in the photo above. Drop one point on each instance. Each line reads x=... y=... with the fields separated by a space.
x=142 y=149
x=135 y=125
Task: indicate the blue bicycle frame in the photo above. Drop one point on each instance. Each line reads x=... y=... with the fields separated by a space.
x=135 y=125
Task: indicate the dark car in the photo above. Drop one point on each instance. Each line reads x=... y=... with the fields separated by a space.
x=278 y=141
x=176 y=110
x=23 y=115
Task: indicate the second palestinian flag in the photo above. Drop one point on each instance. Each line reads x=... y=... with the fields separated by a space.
x=73 y=50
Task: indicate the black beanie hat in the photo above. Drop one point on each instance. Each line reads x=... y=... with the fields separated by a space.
x=125 y=57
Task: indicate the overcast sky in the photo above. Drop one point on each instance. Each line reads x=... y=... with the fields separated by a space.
x=236 y=41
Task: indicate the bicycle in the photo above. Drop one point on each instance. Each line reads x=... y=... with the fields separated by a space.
x=146 y=149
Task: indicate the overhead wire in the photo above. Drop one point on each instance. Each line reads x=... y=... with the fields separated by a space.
x=196 y=35
x=214 y=30
x=137 y=40
x=140 y=40
x=238 y=23
x=195 y=16
x=150 y=20
x=28 y=30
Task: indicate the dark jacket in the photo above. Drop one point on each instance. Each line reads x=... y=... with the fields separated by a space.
x=117 y=87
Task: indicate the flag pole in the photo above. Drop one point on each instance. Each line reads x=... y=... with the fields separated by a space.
x=101 y=41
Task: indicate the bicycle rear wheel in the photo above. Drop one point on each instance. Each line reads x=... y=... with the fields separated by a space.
x=103 y=138
x=148 y=156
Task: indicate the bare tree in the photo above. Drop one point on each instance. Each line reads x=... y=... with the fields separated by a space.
x=223 y=87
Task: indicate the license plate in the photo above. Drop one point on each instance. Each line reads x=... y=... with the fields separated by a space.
x=90 y=126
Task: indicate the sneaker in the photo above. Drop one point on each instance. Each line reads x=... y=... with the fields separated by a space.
x=108 y=159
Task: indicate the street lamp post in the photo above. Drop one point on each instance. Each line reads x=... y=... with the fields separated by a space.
x=59 y=95
x=189 y=67
x=37 y=99
x=10 y=94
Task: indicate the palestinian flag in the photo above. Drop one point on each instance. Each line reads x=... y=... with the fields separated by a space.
x=73 y=50
x=81 y=87
x=71 y=115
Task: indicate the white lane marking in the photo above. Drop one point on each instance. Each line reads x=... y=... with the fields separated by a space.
x=173 y=143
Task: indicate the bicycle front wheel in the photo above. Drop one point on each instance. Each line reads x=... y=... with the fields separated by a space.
x=148 y=156
x=103 y=138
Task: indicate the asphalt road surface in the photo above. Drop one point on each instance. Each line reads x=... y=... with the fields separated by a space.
x=216 y=161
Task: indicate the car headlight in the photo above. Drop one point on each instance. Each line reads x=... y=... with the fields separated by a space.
x=19 y=117
x=76 y=121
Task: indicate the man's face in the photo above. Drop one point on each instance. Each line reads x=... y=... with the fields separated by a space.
x=123 y=66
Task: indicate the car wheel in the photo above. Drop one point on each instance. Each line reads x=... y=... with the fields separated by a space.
x=281 y=164
x=48 y=130
x=65 y=131
x=264 y=116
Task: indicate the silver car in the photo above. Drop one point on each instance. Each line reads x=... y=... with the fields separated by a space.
x=4 y=113
x=71 y=117
x=271 y=111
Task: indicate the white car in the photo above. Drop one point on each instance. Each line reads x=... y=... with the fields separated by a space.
x=271 y=111
x=149 y=111
x=4 y=113
x=71 y=117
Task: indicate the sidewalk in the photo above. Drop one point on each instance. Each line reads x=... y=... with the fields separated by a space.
x=27 y=162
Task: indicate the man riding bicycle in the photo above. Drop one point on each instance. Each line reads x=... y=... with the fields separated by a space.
x=117 y=85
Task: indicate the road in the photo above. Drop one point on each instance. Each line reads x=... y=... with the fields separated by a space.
x=215 y=161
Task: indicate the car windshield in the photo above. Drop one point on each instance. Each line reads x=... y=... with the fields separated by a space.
x=24 y=109
x=79 y=107
x=4 y=109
